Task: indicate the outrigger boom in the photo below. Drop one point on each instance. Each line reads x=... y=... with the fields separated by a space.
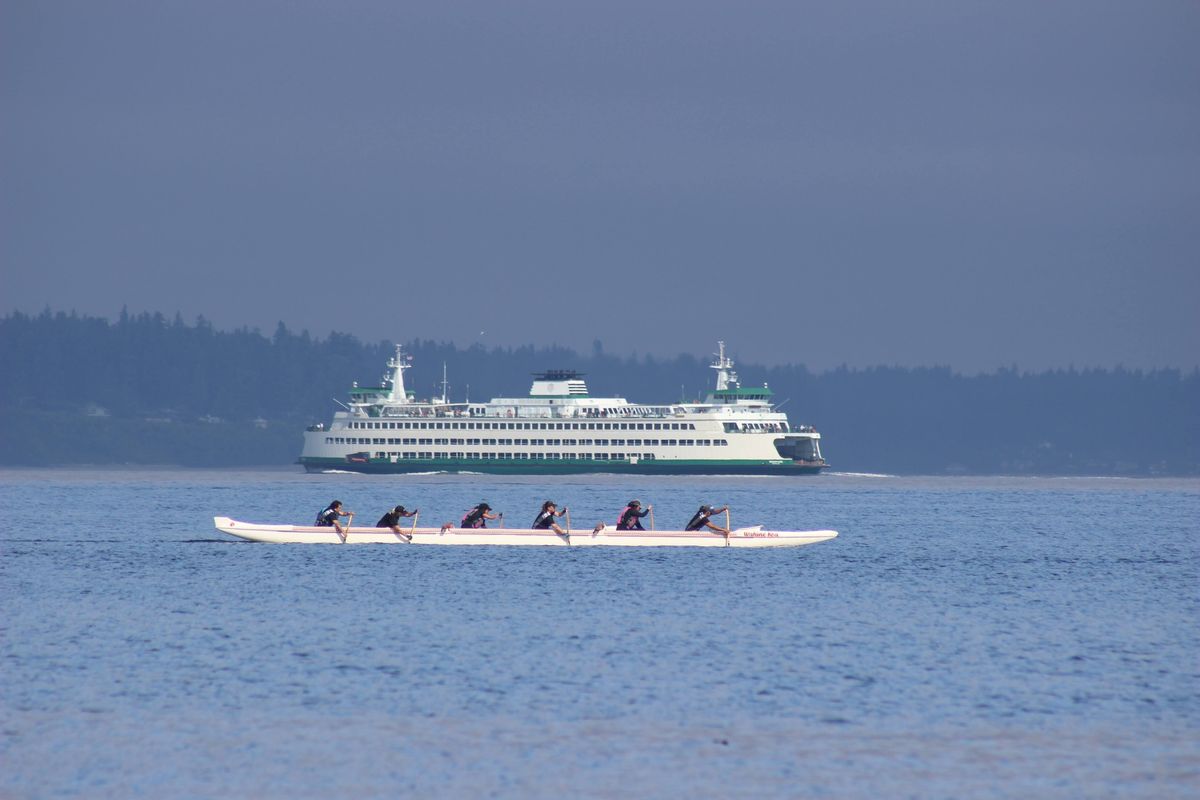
x=754 y=536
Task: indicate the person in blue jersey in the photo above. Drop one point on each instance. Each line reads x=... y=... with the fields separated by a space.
x=329 y=517
x=700 y=520
x=631 y=516
x=545 y=520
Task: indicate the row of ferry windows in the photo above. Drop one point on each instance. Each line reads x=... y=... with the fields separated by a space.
x=538 y=442
x=528 y=426
x=516 y=456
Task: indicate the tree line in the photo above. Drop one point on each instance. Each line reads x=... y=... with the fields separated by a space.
x=145 y=388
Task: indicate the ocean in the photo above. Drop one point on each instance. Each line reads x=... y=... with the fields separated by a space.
x=962 y=637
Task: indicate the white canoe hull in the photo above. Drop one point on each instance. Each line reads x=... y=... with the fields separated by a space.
x=304 y=534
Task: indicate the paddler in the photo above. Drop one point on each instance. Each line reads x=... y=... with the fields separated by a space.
x=545 y=520
x=329 y=517
x=391 y=519
x=701 y=520
x=477 y=517
x=631 y=516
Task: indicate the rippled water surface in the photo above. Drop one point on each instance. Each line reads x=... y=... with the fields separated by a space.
x=961 y=637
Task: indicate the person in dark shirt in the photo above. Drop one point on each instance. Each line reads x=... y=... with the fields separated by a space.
x=545 y=520
x=329 y=517
x=392 y=520
x=700 y=520
x=477 y=517
x=631 y=516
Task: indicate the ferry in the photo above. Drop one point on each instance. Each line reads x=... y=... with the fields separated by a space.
x=560 y=428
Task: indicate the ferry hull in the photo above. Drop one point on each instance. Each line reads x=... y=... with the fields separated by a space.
x=499 y=467
x=609 y=537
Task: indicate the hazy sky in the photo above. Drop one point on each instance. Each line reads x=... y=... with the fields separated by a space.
x=971 y=184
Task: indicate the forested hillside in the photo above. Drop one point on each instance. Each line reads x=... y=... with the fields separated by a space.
x=151 y=390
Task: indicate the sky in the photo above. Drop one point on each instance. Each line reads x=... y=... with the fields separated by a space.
x=965 y=184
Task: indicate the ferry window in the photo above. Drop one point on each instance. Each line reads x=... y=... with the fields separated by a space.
x=618 y=442
x=425 y=441
x=691 y=426
x=541 y=426
x=585 y=442
x=602 y=456
x=328 y=440
x=408 y=441
x=635 y=442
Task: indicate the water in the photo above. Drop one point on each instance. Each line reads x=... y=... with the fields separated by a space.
x=962 y=637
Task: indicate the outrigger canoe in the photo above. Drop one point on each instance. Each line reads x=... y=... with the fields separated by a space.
x=753 y=536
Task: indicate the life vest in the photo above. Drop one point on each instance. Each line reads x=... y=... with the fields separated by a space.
x=626 y=524
x=698 y=521
x=324 y=521
x=543 y=521
x=474 y=519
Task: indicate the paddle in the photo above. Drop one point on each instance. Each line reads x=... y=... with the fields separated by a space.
x=406 y=537
x=345 y=532
x=651 y=510
x=416 y=516
x=728 y=527
x=567 y=514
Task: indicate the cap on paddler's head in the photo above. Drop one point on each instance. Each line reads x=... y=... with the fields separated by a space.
x=635 y=502
x=484 y=506
x=705 y=508
x=335 y=504
x=399 y=510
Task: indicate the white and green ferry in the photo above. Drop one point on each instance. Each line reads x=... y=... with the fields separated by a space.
x=561 y=428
